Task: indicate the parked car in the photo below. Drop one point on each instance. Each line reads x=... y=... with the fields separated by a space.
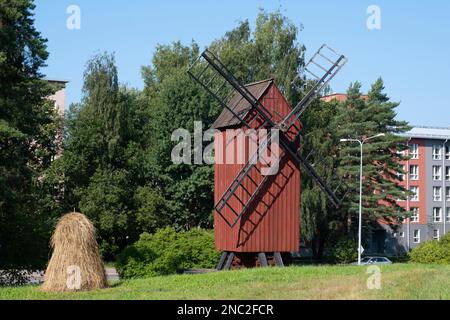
x=373 y=260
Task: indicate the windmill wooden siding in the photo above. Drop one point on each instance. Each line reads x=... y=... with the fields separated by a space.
x=272 y=222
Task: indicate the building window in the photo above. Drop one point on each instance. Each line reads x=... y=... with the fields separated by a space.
x=436 y=234
x=437 y=174
x=437 y=152
x=447 y=152
x=414 y=172
x=447 y=193
x=415 y=194
x=414 y=151
x=415 y=215
x=447 y=215
x=437 y=214
x=401 y=234
x=447 y=173
x=437 y=194
x=416 y=236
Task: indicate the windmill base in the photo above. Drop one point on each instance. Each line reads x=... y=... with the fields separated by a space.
x=237 y=260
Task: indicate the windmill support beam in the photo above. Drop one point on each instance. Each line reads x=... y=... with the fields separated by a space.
x=263 y=259
x=230 y=258
x=278 y=259
x=222 y=260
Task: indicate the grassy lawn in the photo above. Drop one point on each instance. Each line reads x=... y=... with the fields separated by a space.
x=399 y=281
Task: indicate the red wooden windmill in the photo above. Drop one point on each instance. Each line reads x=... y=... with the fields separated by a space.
x=257 y=211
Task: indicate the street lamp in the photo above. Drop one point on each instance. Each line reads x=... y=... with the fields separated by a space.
x=361 y=144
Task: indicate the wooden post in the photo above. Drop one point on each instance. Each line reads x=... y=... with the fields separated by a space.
x=263 y=259
x=222 y=260
x=229 y=261
x=278 y=259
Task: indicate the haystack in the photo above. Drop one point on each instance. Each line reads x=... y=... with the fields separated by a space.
x=75 y=264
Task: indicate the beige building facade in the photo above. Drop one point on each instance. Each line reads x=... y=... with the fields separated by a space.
x=60 y=96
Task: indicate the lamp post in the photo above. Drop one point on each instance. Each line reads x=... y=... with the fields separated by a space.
x=361 y=144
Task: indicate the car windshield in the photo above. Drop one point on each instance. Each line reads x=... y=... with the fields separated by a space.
x=365 y=260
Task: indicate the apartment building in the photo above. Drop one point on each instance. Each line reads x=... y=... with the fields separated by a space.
x=428 y=177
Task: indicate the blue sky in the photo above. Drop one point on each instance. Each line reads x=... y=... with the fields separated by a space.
x=411 y=51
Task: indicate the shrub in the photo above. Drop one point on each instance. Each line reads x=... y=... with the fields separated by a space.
x=197 y=246
x=445 y=240
x=345 y=251
x=437 y=252
x=166 y=251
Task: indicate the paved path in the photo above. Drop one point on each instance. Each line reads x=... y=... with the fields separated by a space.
x=112 y=274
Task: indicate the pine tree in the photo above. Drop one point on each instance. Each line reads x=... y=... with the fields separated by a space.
x=325 y=123
x=360 y=118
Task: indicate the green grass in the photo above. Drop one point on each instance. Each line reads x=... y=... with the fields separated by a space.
x=399 y=281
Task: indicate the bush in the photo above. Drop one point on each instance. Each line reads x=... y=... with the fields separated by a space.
x=437 y=252
x=345 y=251
x=445 y=240
x=167 y=251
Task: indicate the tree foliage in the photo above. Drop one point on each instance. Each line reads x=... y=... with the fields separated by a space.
x=358 y=117
x=28 y=126
x=362 y=118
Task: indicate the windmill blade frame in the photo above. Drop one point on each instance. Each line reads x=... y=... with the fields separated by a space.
x=211 y=61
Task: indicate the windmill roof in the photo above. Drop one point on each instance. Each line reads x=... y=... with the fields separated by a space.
x=241 y=106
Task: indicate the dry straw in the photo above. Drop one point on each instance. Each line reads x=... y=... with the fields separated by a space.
x=75 y=264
